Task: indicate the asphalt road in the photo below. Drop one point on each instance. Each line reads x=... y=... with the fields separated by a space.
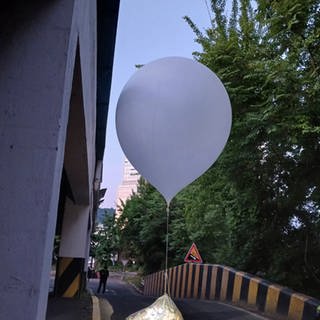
x=121 y=300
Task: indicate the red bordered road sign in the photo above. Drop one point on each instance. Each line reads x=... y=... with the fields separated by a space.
x=193 y=255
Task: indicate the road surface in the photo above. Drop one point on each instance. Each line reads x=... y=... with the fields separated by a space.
x=121 y=300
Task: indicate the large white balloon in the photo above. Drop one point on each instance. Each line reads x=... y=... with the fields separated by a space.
x=173 y=120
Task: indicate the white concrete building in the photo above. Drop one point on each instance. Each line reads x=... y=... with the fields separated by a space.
x=128 y=185
x=56 y=62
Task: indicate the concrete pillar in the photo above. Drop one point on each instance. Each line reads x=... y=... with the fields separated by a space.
x=38 y=45
x=70 y=274
x=79 y=169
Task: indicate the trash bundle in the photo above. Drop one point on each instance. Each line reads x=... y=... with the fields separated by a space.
x=162 y=309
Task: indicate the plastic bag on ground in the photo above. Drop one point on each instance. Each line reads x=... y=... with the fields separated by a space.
x=162 y=309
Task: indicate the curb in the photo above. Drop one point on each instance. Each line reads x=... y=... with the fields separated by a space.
x=137 y=288
x=96 y=315
x=95 y=308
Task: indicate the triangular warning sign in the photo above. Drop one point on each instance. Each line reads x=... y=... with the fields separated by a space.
x=193 y=255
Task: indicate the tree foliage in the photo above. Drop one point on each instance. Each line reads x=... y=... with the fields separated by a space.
x=105 y=241
x=257 y=208
x=143 y=228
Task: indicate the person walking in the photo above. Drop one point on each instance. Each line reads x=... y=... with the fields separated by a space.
x=104 y=274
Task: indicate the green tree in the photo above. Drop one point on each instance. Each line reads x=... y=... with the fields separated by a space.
x=257 y=208
x=143 y=229
x=142 y=224
x=270 y=200
x=105 y=241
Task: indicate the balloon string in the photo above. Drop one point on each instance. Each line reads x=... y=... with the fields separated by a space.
x=166 y=286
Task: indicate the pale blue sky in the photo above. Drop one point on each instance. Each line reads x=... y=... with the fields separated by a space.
x=147 y=30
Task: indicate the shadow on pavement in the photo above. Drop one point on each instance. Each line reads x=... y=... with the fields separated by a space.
x=69 y=308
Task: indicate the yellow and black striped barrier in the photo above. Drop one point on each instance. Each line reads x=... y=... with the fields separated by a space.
x=217 y=282
x=69 y=277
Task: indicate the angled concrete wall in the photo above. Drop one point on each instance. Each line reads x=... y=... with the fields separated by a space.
x=217 y=282
x=39 y=40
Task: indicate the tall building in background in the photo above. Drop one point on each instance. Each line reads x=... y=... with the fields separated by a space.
x=128 y=186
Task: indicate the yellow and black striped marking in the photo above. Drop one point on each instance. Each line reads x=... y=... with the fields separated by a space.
x=68 y=277
x=216 y=282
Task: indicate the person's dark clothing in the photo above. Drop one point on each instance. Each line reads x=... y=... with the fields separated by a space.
x=90 y=273
x=104 y=274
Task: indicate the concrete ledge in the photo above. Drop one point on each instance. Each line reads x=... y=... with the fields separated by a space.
x=95 y=308
x=217 y=282
x=96 y=314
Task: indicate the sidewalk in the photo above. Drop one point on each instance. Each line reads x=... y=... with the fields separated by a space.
x=72 y=309
x=88 y=307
